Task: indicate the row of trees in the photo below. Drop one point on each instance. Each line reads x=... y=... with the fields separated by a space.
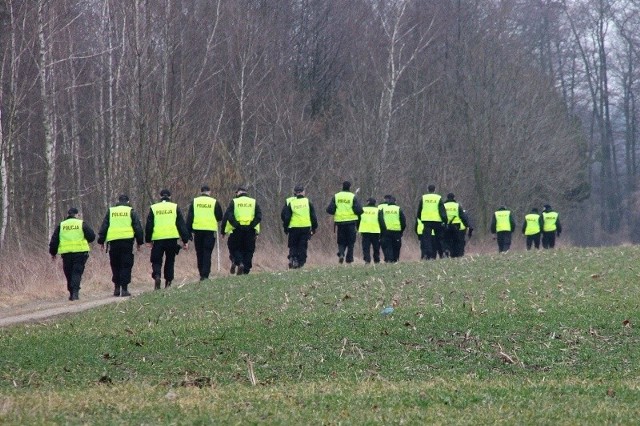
x=503 y=102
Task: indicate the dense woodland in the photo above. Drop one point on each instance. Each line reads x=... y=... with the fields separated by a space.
x=499 y=101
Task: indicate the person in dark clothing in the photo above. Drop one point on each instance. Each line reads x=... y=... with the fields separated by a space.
x=392 y=225
x=300 y=223
x=532 y=227
x=550 y=227
x=120 y=226
x=346 y=209
x=432 y=214
x=202 y=223
x=243 y=214
x=456 y=227
x=165 y=225
x=71 y=240
x=503 y=225
x=369 y=228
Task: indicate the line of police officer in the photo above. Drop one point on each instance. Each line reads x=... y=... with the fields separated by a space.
x=536 y=226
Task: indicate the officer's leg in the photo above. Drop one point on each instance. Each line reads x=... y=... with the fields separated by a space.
x=208 y=243
x=115 y=261
x=375 y=243
x=397 y=246
x=79 y=260
x=170 y=251
x=291 y=244
x=366 y=247
x=67 y=268
x=342 y=241
x=387 y=247
x=529 y=241
x=428 y=240
x=198 y=243
x=536 y=240
x=248 y=250
x=351 y=241
x=157 y=251
x=506 y=241
x=552 y=239
x=303 y=246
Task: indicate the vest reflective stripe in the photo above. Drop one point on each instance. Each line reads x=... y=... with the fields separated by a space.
x=533 y=224
x=204 y=216
x=430 y=208
x=420 y=228
x=344 y=207
x=244 y=209
x=164 y=221
x=369 y=220
x=71 y=237
x=120 y=227
x=502 y=221
x=301 y=213
x=391 y=217
x=549 y=221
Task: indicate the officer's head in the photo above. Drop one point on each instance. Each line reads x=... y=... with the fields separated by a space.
x=72 y=212
x=346 y=185
x=205 y=189
x=165 y=194
x=451 y=196
x=123 y=199
x=241 y=191
x=547 y=207
x=502 y=207
x=298 y=190
x=371 y=201
x=431 y=188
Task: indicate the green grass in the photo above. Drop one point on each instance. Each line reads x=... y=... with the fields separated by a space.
x=523 y=338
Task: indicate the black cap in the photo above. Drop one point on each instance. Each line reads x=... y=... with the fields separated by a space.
x=241 y=190
x=431 y=188
x=450 y=196
x=205 y=188
x=371 y=201
x=346 y=185
x=298 y=189
x=547 y=207
x=165 y=193
x=72 y=211
x=122 y=198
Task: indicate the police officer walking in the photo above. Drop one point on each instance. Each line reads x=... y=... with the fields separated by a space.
x=432 y=214
x=202 y=223
x=165 y=225
x=503 y=225
x=120 y=226
x=300 y=223
x=369 y=228
x=457 y=224
x=243 y=214
x=346 y=209
x=392 y=224
x=532 y=227
x=550 y=227
x=71 y=240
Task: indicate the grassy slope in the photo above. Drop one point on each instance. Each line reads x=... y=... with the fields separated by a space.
x=538 y=337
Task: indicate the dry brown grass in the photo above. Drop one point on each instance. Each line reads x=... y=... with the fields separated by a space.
x=29 y=275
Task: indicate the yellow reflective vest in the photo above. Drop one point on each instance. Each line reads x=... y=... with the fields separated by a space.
x=165 y=214
x=549 y=221
x=391 y=217
x=502 y=220
x=120 y=227
x=430 y=208
x=71 y=237
x=244 y=209
x=344 y=207
x=300 y=213
x=532 y=224
x=453 y=214
x=369 y=220
x=204 y=216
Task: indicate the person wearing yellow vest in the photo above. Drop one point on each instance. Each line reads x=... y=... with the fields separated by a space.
x=503 y=225
x=456 y=227
x=165 y=226
x=71 y=240
x=392 y=224
x=119 y=228
x=300 y=223
x=369 y=229
x=227 y=229
x=202 y=223
x=532 y=227
x=550 y=227
x=346 y=209
x=432 y=214
x=243 y=214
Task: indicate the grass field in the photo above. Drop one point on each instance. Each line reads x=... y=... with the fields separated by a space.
x=524 y=338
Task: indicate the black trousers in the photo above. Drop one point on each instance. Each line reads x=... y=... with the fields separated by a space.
x=454 y=241
x=204 y=242
x=504 y=240
x=167 y=249
x=549 y=239
x=370 y=243
x=298 y=242
x=73 y=268
x=242 y=245
x=391 y=242
x=346 y=240
x=533 y=239
x=430 y=240
x=121 y=261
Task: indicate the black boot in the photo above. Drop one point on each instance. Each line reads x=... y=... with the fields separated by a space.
x=156 y=282
x=124 y=292
x=75 y=295
x=116 y=291
x=167 y=284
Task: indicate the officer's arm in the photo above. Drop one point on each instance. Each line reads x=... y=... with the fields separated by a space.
x=286 y=216
x=383 y=226
x=89 y=235
x=524 y=225
x=314 y=218
x=419 y=212
x=356 y=207
x=102 y=233
x=257 y=217
x=55 y=241
x=493 y=224
x=185 y=235
x=190 y=219
x=148 y=230
x=512 y=222
x=138 y=232
x=331 y=208
x=443 y=212
x=230 y=215
x=218 y=212
x=558 y=227
x=403 y=221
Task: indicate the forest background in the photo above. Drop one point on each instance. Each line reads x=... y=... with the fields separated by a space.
x=501 y=102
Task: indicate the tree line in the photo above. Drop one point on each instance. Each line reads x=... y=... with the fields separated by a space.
x=501 y=102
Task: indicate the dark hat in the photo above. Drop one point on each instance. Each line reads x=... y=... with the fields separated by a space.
x=387 y=197
x=205 y=188
x=298 y=189
x=371 y=201
x=450 y=196
x=502 y=207
x=122 y=198
x=165 y=193
x=72 y=211
x=431 y=188
x=241 y=190
x=346 y=185
x=547 y=207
